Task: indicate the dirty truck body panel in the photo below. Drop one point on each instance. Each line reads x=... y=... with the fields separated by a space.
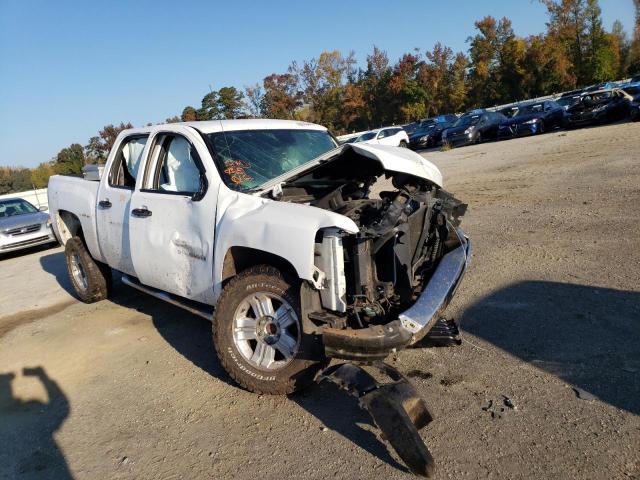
x=164 y=213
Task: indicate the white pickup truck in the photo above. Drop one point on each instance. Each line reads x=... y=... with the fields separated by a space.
x=269 y=229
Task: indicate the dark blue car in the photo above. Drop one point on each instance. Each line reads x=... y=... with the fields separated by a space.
x=532 y=118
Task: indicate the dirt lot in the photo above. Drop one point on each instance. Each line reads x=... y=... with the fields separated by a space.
x=130 y=388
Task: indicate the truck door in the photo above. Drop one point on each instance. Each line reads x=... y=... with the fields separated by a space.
x=114 y=199
x=172 y=217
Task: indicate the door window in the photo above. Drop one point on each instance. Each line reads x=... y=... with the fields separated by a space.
x=178 y=168
x=126 y=163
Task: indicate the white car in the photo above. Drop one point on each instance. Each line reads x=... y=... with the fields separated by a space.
x=393 y=136
x=267 y=229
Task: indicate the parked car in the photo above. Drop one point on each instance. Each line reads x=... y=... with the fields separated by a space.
x=394 y=136
x=22 y=225
x=533 y=118
x=634 y=109
x=270 y=223
x=474 y=127
x=599 y=107
x=411 y=127
x=510 y=111
x=430 y=132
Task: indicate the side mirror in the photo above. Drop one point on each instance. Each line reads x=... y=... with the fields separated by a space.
x=44 y=208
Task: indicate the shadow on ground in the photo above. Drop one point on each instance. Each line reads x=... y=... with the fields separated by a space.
x=29 y=450
x=340 y=412
x=587 y=336
x=191 y=336
x=56 y=265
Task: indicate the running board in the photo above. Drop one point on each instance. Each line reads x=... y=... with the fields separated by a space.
x=197 y=308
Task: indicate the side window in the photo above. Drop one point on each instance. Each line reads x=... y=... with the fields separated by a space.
x=178 y=166
x=126 y=163
x=382 y=134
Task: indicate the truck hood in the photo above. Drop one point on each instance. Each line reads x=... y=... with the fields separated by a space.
x=394 y=159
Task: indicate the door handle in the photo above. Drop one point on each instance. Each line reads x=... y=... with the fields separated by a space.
x=141 y=212
x=104 y=203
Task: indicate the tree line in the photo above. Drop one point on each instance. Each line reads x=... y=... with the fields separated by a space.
x=576 y=50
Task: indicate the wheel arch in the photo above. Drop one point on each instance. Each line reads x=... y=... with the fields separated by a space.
x=69 y=226
x=240 y=258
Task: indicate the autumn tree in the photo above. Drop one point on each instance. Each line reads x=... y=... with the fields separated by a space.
x=99 y=146
x=280 y=97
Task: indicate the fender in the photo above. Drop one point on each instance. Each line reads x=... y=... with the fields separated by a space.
x=287 y=230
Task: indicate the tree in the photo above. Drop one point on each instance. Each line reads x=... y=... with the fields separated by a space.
x=253 y=102
x=280 y=97
x=189 y=114
x=621 y=45
x=209 y=109
x=70 y=160
x=230 y=102
x=633 y=67
x=40 y=175
x=100 y=145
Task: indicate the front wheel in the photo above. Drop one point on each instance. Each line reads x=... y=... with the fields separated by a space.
x=403 y=144
x=90 y=279
x=258 y=336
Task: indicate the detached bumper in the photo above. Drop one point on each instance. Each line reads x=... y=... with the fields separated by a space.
x=378 y=341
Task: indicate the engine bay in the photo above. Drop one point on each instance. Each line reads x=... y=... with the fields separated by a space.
x=405 y=227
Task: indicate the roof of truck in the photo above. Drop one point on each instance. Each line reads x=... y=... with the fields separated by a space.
x=212 y=126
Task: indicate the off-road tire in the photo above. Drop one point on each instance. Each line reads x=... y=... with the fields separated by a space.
x=305 y=364
x=98 y=274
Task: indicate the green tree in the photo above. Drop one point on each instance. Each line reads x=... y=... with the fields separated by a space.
x=40 y=175
x=189 y=114
x=633 y=67
x=70 y=160
x=230 y=102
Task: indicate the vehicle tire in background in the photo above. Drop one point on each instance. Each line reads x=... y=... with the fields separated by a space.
x=479 y=137
x=403 y=144
x=90 y=279
x=258 y=336
x=541 y=128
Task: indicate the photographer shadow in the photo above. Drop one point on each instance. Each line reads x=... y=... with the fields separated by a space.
x=27 y=427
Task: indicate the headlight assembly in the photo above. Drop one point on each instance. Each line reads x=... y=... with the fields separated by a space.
x=531 y=122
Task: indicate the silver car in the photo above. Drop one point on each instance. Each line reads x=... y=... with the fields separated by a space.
x=22 y=225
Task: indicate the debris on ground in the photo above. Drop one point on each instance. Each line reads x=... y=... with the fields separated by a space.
x=583 y=394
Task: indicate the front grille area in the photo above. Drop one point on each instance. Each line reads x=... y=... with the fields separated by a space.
x=25 y=243
x=14 y=232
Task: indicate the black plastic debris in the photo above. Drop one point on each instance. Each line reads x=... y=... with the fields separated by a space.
x=396 y=408
x=444 y=333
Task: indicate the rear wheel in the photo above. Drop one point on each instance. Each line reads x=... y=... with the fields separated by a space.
x=90 y=279
x=258 y=336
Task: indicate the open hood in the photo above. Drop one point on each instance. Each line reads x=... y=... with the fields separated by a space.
x=393 y=159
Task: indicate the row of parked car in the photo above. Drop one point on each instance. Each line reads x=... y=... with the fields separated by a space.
x=593 y=105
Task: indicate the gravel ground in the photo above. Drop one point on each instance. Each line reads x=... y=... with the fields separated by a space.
x=550 y=308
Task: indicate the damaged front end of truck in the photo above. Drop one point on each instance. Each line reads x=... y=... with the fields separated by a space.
x=385 y=286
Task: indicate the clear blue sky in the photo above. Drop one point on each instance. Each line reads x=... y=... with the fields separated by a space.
x=68 y=68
